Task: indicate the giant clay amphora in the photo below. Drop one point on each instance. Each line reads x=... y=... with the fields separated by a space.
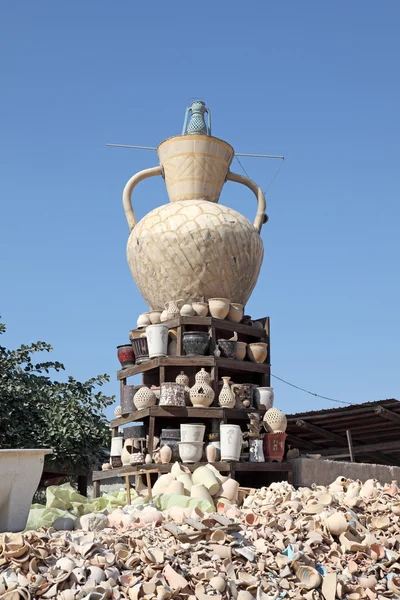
x=194 y=248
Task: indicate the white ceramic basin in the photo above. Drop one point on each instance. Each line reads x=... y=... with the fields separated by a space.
x=20 y=472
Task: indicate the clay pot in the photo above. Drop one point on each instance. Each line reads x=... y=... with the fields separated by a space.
x=226 y=398
x=184 y=380
x=202 y=394
x=200 y=309
x=126 y=355
x=117 y=444
x=155 y=317
x=336 y=523
x=231 y=442
x=275 y=421
x=187 y=310
x=186 y=479
x=219 y=307
x=256 y=450
x=211 y=453
x=172 y=394
x=257 y=352
x=117 y=412
x=195 y=343
x=171 y=438
x=140 y=349
x=144 y=398
x=165 y=455
x=235 y=313
x=143 y=320
x=191 y=452
x=173 y=308
x=227 y=348
x=229 y=489
x=274 y=446
x=192 y=432
x=241 y=349
x=157 y=340
x=126 y=452
x=264 y=397
x=200 y=491
x=164 y=316
x=176 y=487
x=206 y=477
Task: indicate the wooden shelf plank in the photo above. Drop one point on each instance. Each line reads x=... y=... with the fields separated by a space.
x=194 y=361
x=181 y=412
x=122 y=471
x=220 y=324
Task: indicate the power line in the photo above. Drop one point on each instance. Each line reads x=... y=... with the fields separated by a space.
x=312 y=393
x=243 y=169
x=273 y=178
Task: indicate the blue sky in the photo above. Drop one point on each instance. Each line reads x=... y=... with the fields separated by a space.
x=315 y=81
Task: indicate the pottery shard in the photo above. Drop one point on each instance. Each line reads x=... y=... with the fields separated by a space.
x=174 y=580
x=93 y=522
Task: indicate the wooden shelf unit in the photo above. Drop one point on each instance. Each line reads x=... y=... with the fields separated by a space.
x=160 y=370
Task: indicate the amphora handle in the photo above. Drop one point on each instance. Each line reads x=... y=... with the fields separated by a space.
x=127 y=193
x=261 y=217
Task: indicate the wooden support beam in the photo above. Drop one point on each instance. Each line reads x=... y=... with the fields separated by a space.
x=387 y=414
x=297 y=442
x=350 y=444
x=366 y=449
x=321 y=432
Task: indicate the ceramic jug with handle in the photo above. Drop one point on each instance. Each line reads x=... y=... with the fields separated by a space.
x=194 y=248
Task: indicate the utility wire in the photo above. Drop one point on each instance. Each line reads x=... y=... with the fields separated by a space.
x=273 y=178
x=312 y=393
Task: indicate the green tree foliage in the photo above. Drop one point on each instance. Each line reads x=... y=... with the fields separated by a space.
x=39 y=412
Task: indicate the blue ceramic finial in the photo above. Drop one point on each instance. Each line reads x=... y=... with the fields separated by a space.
x=197 y=124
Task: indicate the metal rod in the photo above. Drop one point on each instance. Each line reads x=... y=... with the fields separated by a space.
x=350 y=444
x=236 y=153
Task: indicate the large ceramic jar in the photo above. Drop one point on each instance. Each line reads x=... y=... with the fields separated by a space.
x=195 y=343
x=126 y=355
x=207 y=250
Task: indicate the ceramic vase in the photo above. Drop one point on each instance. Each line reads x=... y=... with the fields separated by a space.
x=144 y=398
x=191 y=452
x=155 y=317
x=172 y=394
x=184 y=380
x=257 y=352
x=241 y=350
x=275 y=421
x=192 y=432
x=187 y=310
x=226 y=398
x=264 y=397
x=165 y=455
x=157 y=340
x=274 y=446
x=140 y=349
x=126 y=452
x=211 y=453
x=219 y=307
x=126 y=355
x=117 y=443
x=143 y=320
x=235 y=313
x=243 y=394
x=173 y=308
x=231 y=442
x=195 y=343
x=256 y=453
x=227 y=348
x=202 y=394
x=200 y=309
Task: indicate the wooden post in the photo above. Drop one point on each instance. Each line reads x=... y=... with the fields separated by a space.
x=96 y=489
x=150 y=448
x=148 y=481
x=350 y=444
x=179 y=345
x=128 y=489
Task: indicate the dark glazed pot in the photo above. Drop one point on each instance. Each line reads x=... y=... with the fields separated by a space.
x=127 y=405
x=171 y=438
x=140 y=349
x=228 y=348
x=195 y=343
x=126 y=355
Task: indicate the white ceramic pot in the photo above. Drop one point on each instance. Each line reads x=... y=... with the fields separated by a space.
x=206 y=477
x=264 y=397
x=165 y=455
x=190 y=452
x=231 y=442
x=200 y=491
x=235 y=313
x=143 y=320
x=117 y=443
x=219 y=307
x=256 y=451
x=192 y=432
x=157 y=340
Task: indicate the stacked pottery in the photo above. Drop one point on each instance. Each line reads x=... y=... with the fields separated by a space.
x=172 y=394
x=231 y=442
x=275 y=422
x=191 y=452
x=192 y=432
x=202 y=394
x=157 y=340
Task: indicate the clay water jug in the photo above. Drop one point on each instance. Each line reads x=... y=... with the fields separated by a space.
x=208 y=250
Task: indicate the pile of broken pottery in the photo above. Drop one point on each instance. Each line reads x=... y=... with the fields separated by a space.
x=340 y=541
